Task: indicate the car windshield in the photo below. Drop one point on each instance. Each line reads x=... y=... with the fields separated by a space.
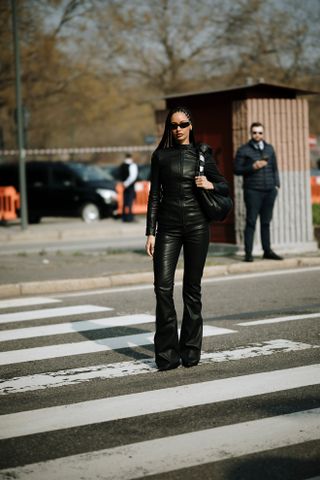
x=88 y=173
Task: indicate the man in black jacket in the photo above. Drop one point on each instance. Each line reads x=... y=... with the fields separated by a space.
x=256 y=162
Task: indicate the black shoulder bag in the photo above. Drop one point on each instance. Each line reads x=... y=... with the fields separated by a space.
x=215 y=206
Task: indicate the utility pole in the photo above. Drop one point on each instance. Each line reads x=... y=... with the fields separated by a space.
x=22 y=152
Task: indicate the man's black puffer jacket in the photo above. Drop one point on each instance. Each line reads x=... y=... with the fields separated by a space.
x=173 y=198
x=265 y=178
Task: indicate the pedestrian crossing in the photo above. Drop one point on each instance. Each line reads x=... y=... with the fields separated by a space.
x=41 y=407
x=88 y=346
x=50 y=313
x=71 y=327
x=156 y=401
x=168 y=454
x=75 y=376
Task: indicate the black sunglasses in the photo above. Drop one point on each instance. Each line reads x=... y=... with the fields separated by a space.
x=255 y=132
x=174 y=126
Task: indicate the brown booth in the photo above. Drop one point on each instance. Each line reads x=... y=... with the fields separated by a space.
x=222 y=119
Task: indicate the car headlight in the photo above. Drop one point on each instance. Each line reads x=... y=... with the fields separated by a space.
x=108 y=196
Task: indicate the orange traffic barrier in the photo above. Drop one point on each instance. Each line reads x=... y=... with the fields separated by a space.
x=140 y=202
x=315 y=189
x=9 y=202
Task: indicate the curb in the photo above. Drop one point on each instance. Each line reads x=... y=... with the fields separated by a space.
x=78 y=284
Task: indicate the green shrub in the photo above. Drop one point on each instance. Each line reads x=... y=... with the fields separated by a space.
x=316 y=214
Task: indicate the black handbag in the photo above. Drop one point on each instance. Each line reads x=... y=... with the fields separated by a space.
x=215 y=206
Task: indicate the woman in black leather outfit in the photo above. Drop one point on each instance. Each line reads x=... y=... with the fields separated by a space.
x=175 y=219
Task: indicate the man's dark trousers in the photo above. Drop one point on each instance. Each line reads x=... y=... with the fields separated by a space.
x=261 y=203
x=129 y=195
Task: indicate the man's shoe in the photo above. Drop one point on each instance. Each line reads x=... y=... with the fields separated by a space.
x=248 y=258
x=270 y=255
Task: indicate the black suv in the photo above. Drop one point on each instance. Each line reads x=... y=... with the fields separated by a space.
x=64 y=189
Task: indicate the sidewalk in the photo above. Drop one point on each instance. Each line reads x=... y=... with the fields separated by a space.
x=62 y=255
x=60 y=229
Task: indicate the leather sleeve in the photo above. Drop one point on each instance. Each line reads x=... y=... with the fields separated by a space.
x=213 y=175
x=154 y=196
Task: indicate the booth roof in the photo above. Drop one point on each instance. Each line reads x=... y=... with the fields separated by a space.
x=259 y=86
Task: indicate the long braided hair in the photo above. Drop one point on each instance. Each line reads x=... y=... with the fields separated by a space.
x=167 y=140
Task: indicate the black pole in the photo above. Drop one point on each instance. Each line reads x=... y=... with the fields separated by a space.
x=22 y=152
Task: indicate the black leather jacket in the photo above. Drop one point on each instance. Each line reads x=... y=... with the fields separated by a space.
x=266 y=178
x=173 y=194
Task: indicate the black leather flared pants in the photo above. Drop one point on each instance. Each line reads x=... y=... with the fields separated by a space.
x=169 y=348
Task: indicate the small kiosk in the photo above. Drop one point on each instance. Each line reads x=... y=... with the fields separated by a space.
x=222 y=119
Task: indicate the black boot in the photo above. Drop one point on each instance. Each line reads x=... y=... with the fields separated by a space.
x=271 y=255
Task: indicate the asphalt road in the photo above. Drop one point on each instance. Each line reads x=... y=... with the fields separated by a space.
x=81 y=398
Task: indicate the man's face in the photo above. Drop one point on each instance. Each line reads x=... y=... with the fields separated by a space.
x=257 y=134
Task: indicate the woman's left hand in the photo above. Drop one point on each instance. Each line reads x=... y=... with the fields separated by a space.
x=203 y=182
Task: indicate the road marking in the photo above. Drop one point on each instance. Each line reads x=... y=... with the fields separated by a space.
x=271 y=273
x=227 y=278
x=90 y=346
x=27 y=302
x=51 y=313
x=156 y=401
x=73 y=327
x=75 y=376
x=288 y=318
x=175 y=452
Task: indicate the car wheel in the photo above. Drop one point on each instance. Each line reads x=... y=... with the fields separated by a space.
x=90 y=213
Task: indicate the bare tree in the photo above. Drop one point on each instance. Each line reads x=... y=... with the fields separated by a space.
x=169 y=45
x=276 y=40
x=92 y=68
x=163 y=44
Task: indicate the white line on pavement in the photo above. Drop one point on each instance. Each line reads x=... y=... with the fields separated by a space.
x=272 y=273
x=51 y=313
x=156 y=401
x=73 y=327
x=75 y=376
x=228 y=278
x=172 y=453
x=280 y=319
x=27 y=302
x=89 y=346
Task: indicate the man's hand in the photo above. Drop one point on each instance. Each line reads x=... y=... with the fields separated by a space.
x=150 y=245
x=259 y=164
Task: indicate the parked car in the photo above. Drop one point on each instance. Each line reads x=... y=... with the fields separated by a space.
x=67 y=189
x=144 y=172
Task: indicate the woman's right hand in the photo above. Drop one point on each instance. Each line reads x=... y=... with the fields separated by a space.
x=150 y=245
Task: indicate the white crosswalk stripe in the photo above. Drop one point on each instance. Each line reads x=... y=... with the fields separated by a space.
x=89 y=346
x=27 y=302
x=72 y=327
x=287 y=318
x=154 y=455
x=180 y=451
x=74 y=376
x=114 y=408
x=50 y=313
